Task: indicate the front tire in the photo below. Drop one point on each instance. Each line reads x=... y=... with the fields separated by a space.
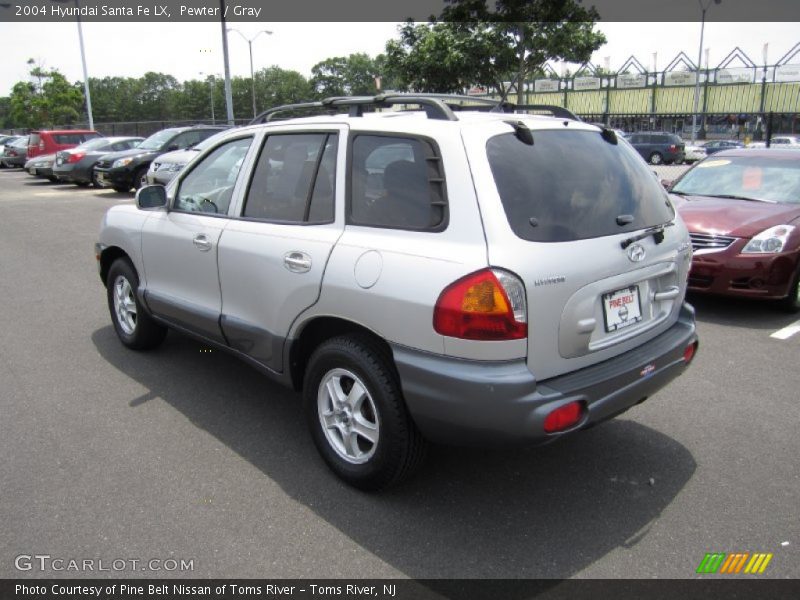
x=357 y=416
x=139 y=178
x=135 y=328
x=792 y=302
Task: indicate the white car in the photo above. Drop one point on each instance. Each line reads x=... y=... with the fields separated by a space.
x=694 y=153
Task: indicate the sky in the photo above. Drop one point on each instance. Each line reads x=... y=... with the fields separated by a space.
x=184 y=50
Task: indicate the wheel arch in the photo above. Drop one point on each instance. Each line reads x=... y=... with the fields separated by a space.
x=318 y=330
x=107 y=258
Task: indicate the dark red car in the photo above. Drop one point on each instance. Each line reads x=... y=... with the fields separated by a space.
x=52 y=140
x=742 y=209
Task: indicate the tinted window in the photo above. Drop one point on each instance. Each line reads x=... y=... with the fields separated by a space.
x=73 y=138
x=322 y=198
x=396 y=182
x=572 y=185
x=209 y=186
x=158 y=139
x=285 y=178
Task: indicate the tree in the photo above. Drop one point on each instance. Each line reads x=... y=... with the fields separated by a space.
x=470 y=44
x=344 y=76
x=46 y=100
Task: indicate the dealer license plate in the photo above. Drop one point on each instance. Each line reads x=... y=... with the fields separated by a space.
x=622 y=308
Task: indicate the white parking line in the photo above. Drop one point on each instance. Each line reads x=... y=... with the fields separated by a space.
x=787 y=332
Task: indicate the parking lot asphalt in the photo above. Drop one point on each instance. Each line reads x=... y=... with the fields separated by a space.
x=191 y=455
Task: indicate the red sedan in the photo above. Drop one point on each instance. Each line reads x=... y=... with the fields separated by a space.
x=742 y=208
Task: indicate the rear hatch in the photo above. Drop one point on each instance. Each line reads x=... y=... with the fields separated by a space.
x=591 y=233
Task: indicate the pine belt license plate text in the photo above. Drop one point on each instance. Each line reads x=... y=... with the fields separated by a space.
x=622 y=308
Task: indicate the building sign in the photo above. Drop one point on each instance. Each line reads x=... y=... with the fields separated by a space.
x=787 y=73
x=586 y=83
x=735 y=76
x=680 y=78
x=546 y=85
x=627 y=80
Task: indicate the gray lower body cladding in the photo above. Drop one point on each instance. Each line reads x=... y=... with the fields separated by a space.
x=471 y=402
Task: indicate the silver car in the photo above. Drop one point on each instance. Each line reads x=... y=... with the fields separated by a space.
x=424 y=275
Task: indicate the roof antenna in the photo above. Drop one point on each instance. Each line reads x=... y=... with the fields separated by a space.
x=521 y=132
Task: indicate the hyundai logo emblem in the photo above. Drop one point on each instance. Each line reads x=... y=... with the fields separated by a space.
x=636 y=253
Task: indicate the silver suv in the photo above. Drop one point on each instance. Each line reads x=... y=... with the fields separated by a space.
x=432 y=274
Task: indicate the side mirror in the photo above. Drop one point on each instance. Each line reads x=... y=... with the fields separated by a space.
x=667 y=184
x=151 y=196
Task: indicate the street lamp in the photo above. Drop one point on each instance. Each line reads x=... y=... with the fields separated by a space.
x=250 y=44
x=83 y=62
x=703 y=8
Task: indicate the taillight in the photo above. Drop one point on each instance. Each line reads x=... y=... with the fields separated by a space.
x=485 y=305
x=672 y=148
x=73 y=158
x=564 y=417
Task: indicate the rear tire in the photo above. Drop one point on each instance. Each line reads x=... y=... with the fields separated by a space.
x=357 y=416
x=135 y=328
x=656 y=158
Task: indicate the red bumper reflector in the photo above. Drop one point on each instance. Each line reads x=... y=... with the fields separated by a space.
x=564 y=417
x=689 y=353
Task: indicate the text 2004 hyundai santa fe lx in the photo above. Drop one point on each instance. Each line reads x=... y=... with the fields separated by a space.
x=435 y=274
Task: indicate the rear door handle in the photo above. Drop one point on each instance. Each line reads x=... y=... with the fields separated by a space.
x=201 y=242
x=297 y=262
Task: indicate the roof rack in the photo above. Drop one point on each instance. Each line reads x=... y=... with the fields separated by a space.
x=557 y=111
x=436 y=106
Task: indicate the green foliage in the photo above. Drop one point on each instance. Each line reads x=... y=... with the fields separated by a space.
x=343 y=76
x=47 y=99
x=472 y=45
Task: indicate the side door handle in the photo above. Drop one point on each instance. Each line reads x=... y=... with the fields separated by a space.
x=297 y=262
x=201 y=242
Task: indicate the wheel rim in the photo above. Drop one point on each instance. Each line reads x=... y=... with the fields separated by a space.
x=655 y=159
x=348 y=416
x=124 y=305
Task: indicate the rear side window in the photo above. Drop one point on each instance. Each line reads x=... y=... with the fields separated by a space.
x=573 y=185
x=397 y=183
x=294 y=179
x=73 y=138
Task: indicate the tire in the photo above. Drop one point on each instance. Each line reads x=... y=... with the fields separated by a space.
x=82 y=184
x=655 y=158
x=135 y=328
x=95 y=181
x=367 y=439
x=792 y=302
x=121 y=189
x=139 y=178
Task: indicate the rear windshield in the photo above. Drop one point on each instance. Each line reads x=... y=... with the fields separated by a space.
x=158 y=139
x=573 y=185
x=93 y=144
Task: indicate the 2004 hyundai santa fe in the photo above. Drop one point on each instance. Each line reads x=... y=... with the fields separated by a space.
x=439 y=273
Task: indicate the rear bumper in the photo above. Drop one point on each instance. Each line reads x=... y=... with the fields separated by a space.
x=472 y=402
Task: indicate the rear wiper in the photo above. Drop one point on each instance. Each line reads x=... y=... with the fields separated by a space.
x=657 y=232
x=735 y=197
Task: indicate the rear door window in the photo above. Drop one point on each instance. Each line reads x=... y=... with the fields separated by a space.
x=573 y=185
x=397 y=183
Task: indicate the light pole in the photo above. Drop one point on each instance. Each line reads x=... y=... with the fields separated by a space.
x=703 y=8
x=250 y=44
x=211 y=94
x=83 y=63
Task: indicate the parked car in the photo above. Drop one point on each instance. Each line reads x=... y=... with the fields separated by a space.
x=742 y=208
x=786 y=141
x=42 y=166
x=693 y=153
x=6 y=140
x=658 y=147
x=14 y=154
x=418 y=275
x=128 y=169
x=165 y=167
x=51 y=141
x=715 y=146
x=77 y=164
